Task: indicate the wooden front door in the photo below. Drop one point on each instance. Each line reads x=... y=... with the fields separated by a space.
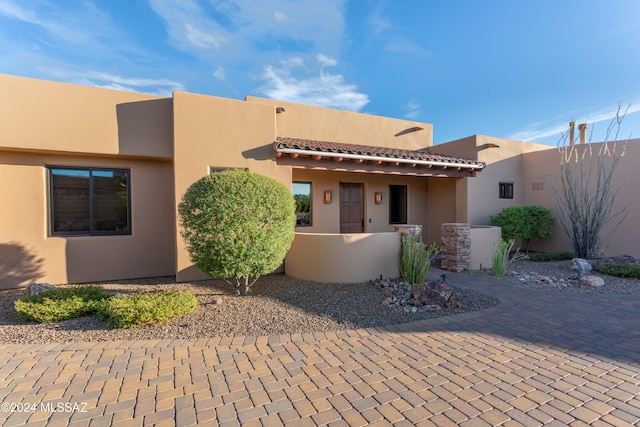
x=351 y=208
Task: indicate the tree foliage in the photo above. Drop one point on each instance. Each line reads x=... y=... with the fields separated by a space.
x=237 y=225
x=524 y=222
x=585 y=194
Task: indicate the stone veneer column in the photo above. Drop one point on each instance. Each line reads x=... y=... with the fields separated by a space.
x=456 y=246
x=408 y=230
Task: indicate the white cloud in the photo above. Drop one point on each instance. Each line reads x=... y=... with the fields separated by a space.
x=413 y=109
x=219 y=73
x=326 y=61
x=321 y=89
x=537 y=131
x=203 y=39
x=280 y=17
x=101 y=79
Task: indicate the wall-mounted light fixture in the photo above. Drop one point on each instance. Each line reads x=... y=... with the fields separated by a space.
x=378 y=197
x=280 y=110
x=328 y=196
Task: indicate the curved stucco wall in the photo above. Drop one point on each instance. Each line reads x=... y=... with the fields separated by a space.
x=482 y=238
x=343 y=258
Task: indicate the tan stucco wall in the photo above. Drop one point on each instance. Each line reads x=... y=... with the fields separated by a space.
x=543 y=167
x=326 y=124
x=326 y=217
x=441 y=207
x=480 y=199
x=219 y=132
x=482 y=241
x=28 y=253
x=52 y=116
x=343 y=258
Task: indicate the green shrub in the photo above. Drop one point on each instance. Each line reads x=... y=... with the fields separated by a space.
x=620 y=270
x=416 y=259
x=524 y=222
x=551 y=256
x=60 y=304
x=237 y=224
x=126 y=311
x=502 y=258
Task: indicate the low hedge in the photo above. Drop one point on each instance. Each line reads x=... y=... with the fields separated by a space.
x=59 y=304
x=551 y=256
x=126 y=311
x=620 y=270
x=120 y=311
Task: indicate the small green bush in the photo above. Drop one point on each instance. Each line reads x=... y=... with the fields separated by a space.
x=126 y=311
x=60 y=304
x=502 y=257
x=237 y=225
x=620 y=270
x=416 y=259
x=551 y=256
x=524 y=222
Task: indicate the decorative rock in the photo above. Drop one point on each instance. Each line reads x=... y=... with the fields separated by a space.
x=593 y=281
x=580 y=266
x=36 y=289
x=433 y=295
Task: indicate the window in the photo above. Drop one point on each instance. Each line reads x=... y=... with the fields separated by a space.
x=397 y=204
x=89 y=201
x=506 y=190
x=302 y=196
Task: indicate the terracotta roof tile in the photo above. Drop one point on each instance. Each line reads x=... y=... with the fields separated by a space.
x=319 y=147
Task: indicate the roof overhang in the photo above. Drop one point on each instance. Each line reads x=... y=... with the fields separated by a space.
x=324 y=155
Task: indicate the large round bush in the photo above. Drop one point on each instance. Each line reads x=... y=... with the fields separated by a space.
x=237 y=224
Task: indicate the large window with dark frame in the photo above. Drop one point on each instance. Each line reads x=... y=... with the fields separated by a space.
x=397 y=204
x=89 y=201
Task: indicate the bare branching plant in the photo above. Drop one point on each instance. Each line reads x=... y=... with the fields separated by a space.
x=585 y=194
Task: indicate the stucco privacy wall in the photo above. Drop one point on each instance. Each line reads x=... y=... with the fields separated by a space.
x=220 y=133
x=48 y=123
x=43 y=115
x=326 y=124
x=540 y=175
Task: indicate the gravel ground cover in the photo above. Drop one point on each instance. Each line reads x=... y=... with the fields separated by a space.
x=279 y=305
x=282 y=305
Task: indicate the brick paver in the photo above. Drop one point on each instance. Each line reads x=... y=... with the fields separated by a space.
x=536 y=358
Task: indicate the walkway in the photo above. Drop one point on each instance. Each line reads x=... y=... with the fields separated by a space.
x=536 y=358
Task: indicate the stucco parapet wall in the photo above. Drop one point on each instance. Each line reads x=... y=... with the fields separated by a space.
x=343 y=258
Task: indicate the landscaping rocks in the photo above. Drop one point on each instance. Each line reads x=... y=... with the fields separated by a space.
x=429 y=296
x=581 y=266
x=593 y=281
x=36 y=289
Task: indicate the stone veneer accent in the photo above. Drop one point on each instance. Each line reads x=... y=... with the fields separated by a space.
x=456 y=246
x=408 y=230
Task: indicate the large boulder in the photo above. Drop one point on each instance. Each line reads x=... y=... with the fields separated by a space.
x=581 y=266
x=591 y=281
x=36 y=289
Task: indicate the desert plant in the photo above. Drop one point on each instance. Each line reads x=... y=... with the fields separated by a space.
x=237 y=225
x=126 y=311
x=502 y=257
x=551 y=256
x=525 y=222
x=415 y=259
x=60 y=304
x=585 y=195
x=620 y=269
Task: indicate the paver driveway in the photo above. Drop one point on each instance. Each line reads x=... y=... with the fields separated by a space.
x=536 y=358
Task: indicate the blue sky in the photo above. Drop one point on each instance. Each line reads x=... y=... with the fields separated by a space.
x=505 y=68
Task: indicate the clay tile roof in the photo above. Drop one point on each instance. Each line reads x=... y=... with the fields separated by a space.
x=315 y=147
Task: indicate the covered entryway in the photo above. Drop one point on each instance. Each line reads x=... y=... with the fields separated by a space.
x=351 y=208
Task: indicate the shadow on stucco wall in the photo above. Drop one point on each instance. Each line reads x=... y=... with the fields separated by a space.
x=18 y=266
